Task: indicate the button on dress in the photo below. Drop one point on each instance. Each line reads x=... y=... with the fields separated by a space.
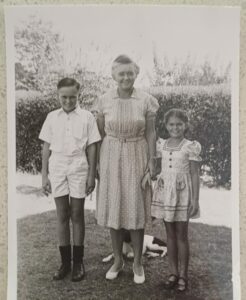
x=121 y=202
x=173 y=188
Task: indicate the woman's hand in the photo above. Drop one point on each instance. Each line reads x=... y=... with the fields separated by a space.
x=46 y=185
x=146 y=180
x=90 y=185
x=152 y=168
x=193 y=209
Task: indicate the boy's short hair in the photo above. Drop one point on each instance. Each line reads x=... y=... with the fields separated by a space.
x=66 y=82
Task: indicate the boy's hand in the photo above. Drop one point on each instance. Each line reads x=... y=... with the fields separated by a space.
x=193 y=208
x=90 y=185
x=46 y=186
x=98 y=171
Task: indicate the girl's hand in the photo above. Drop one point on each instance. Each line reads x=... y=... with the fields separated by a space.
x=90 y=185
x=46 y=185
x=193 y=209
x=146 y=180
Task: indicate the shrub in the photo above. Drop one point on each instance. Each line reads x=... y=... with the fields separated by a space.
x=209 y=111
x=208 y=107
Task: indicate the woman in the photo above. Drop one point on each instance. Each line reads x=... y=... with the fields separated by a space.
x=126 y=121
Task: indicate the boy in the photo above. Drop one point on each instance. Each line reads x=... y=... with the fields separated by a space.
x=68 y=134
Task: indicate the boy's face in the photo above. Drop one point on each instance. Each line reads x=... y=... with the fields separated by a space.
x=68 y=97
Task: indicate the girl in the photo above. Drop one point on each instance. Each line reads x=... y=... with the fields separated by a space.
x=176 y=194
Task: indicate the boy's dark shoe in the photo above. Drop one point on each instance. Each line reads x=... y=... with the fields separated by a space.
x=78 y=267
x=65 y=267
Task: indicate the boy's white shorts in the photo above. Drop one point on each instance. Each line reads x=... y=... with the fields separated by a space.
x=68 y=175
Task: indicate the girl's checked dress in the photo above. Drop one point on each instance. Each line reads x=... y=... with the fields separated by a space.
x=173 y=188
x=121 y=202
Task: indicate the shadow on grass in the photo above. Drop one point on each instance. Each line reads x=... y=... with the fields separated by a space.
x=210 y=265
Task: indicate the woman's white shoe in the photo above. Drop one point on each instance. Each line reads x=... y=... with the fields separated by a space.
x=110 y=275
x=139 y=279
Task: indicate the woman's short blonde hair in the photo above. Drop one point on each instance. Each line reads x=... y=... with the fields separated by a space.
x=124 y=60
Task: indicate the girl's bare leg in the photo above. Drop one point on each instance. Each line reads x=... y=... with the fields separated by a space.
x=172 y=248
x=183 y=247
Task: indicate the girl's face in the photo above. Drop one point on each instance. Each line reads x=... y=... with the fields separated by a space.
x=125 y=75
x=176 y=127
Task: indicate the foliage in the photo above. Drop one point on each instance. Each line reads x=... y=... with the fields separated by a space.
x=38 y=54
x=209 y=110
x=188 y=72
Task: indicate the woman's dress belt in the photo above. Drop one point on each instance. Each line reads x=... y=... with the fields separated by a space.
x=125 y=139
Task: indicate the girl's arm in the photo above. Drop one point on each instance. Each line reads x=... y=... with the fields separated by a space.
x=92 y=161
x=150 y=135
x=46 y=186
x=195 y=180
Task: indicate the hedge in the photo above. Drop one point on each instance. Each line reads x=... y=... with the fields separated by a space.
x=209 y=111
x=208 y=107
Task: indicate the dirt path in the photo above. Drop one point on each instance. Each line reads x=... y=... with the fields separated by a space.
x=216 y=204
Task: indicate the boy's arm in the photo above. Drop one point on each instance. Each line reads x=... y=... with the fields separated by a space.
x=45 y=167
x=92 y=161
x=195 y=180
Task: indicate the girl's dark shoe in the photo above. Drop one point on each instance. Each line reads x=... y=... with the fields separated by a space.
x=182 y=285
x=171 y=282
x=65 y=268
x=78 y=272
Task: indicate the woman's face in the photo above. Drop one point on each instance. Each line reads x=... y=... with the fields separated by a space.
x=175 y=127
x=125 y=75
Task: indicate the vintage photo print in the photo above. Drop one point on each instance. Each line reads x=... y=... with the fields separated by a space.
x=123 y=152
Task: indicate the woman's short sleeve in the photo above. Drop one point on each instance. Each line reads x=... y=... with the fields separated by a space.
x=152 y=106
x=99 y=108
x=194 y=149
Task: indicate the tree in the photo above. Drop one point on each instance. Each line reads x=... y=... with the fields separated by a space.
x=38 y=52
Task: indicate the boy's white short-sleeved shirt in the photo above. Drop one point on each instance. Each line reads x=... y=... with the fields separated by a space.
x=70 y=133
x=68 y=136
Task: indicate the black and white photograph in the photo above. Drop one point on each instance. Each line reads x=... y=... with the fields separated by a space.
x=123 y=152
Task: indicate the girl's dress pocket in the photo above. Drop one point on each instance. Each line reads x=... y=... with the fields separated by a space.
x=180 y=182
x=160 y=184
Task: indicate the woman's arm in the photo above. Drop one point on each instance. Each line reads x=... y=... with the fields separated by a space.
x=45 y=167
x=150 y=135
x=195 y=180
x=100 y=124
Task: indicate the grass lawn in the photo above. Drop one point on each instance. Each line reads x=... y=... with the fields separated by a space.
x=210 y=265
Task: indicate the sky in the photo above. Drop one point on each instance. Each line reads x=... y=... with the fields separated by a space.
x=102 y=32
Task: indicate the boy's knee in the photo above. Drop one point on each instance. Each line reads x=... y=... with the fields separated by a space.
x=182 y=237
x=63 y=216
x=77 y=216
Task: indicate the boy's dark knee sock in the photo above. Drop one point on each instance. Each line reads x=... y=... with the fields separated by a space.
x=78 y=266
x=78 y=254
x=66 y=254
x=65 y=268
